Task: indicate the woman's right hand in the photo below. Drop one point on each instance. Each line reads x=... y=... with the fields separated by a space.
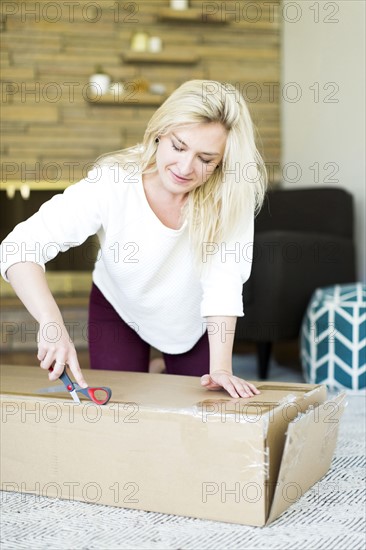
x=56 y=349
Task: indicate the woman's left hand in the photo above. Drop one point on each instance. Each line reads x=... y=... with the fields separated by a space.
x=236 y=387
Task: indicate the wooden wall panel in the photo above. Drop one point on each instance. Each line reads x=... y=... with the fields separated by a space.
x=48 y=55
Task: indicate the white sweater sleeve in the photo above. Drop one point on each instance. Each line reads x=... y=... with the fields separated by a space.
x=64 y=221
x=229 y=268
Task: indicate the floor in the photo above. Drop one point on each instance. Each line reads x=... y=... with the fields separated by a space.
x=245 y=366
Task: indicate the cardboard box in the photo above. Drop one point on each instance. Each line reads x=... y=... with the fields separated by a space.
x=166 y=444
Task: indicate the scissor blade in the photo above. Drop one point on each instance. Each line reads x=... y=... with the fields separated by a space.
x=52 y=389
x=60 y=389
x=75 y=397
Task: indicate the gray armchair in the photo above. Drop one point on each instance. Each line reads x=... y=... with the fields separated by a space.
x=303 y=240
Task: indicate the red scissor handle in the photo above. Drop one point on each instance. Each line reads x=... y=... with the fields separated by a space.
x=105 y=393
x=105 y=396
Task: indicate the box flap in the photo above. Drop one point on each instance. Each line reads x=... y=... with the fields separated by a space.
x=178 y=394
x=287 y=410
x=163 y=392
x=310 y=443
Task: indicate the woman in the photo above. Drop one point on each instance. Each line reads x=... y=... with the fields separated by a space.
x=174 y=216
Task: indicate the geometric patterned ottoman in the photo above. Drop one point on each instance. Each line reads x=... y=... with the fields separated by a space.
x=333 y=337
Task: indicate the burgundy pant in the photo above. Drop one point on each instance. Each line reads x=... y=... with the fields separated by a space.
x=114 y=345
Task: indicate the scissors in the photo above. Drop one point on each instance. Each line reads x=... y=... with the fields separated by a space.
x=99 y=395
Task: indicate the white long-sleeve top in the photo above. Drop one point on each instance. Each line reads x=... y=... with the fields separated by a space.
x=144 y=269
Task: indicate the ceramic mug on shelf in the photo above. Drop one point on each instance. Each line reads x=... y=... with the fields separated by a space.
x=139 y=41
x=101 y=82
x=157 y=89
x=155 y=44
x=179 y=4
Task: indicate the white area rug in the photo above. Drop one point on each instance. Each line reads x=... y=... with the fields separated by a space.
x=330 y=516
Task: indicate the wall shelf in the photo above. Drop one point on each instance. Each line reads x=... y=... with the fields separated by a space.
x=191 y=15
x=11 y=186
x=61 y=283
x=133 y=98
x=175 y=57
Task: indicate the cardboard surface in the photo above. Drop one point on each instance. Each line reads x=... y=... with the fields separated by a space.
x=310 y=444
x=163 y=444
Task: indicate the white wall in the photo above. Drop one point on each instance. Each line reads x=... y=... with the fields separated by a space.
x=329 y=53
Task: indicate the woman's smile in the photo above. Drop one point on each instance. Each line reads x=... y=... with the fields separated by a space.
x=179 y=179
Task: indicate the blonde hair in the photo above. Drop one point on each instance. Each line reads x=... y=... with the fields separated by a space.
x=224 y=205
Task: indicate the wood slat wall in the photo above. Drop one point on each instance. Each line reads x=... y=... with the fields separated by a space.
x=47 y=50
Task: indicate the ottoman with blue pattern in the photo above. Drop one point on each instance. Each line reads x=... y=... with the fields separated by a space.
x=333 y=337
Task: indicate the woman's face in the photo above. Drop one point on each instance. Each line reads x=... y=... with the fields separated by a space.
x=187 y=156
